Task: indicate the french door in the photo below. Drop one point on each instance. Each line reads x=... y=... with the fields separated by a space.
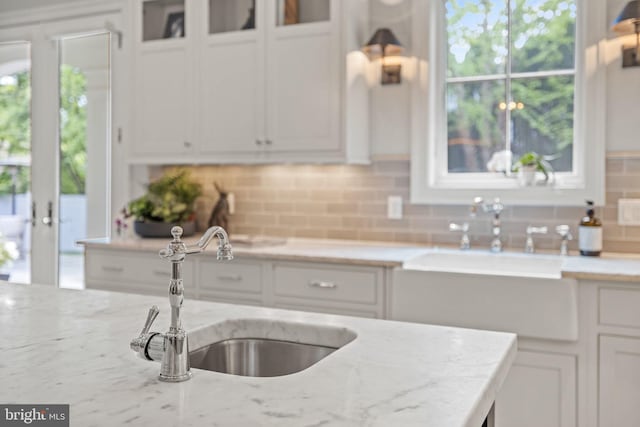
x=57 y=155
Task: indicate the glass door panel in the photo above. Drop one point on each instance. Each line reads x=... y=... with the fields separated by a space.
x=15 y=161
x=231 y=15
x=292 y=12
x=163 y=19
x=85 y=95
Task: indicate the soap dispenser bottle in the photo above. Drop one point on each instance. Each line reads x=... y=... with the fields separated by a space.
x=590 y=233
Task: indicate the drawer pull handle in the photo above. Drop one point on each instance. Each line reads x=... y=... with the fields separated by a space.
x=322 y=285
x=112 y=269
x=230 y=278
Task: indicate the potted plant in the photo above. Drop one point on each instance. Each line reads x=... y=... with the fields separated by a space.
x=169 y=201
x=528 y=165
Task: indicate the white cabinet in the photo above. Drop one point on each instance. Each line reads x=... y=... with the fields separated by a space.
x=164 y=75
x=307 y=286
x=329 y=288
x=133 y=272
x=270 y=92
x=540 y=390
x=619 y=382
x=238 y=281
x=619 y=354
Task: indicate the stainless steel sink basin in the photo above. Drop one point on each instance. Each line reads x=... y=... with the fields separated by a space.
x=253 y=357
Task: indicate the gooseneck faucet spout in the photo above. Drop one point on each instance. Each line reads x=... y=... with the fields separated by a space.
x=172 y=348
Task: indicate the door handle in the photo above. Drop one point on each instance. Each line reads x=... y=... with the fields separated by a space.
x=48 y=220
x=33 y=214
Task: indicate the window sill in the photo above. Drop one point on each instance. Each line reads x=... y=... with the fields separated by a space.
x=510 y=193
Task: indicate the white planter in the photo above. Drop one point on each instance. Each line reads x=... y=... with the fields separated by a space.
x=527 y=176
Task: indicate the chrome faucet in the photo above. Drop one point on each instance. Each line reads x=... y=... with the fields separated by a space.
x=529 y=246
x=172 y=347
x=465 y=243
x=495 y=209
x=565 y=233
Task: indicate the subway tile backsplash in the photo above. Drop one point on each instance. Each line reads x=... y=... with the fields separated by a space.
x=350 y=202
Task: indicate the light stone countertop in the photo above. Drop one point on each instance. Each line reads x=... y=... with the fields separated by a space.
x=66 y=346
x=379 y=254
x=609 y=267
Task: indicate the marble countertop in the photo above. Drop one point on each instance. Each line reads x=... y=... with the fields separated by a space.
x=611 y=266
x=66 y=346
x=381 y=254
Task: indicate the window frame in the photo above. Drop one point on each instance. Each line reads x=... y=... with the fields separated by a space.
x=430 y=180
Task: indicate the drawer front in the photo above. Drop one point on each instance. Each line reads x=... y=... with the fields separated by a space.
x=122 y=269
x=329 y=310
x=619 y=307
x=326 y=283
x=233 y=276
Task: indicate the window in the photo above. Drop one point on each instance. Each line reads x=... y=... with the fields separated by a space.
x=503 y=78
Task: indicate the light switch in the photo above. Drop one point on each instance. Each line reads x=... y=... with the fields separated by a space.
x=394 y=207
x=629 y=212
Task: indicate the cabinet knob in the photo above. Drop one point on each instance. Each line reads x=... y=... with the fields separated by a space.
x=187 y=144
x=268 y=142
x=258 y=142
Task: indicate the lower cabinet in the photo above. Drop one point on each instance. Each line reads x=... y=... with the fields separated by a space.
x=239 y=282
x=540 y=390
x=132 y=271
x=306 y=286
x=619 y=381
x=328 y=288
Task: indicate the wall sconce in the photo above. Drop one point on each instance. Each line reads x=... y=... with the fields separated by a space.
x=383 y=44
x=628 y=22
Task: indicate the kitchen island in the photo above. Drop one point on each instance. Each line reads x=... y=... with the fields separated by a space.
x=72 y=347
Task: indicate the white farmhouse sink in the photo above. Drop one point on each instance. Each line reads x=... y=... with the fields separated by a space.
x=520 y=293
x=477 y=262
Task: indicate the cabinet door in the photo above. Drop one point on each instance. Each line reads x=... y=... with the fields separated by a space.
x=163 y=76
x=619 y=382
x=540 y=390
x=303 y=81
x=232 y=77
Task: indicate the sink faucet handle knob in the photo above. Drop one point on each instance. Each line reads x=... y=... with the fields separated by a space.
x=564 y=231
x=536 y=230
x=176 y=232
x=465 y=243
x=151 y=317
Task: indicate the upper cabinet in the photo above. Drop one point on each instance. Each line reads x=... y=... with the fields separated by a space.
x=250 y=81
x=164 y=75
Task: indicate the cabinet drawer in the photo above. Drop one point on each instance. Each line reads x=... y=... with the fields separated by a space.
x=122 y=269
x=619 y=307
x=326 y=283
x=231 y=276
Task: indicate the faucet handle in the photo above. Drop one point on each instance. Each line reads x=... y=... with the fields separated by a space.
x=139 y=344
x=564 y=231
x=465 y=243
x=151 y=317
x=529 y=247
x=536 y=230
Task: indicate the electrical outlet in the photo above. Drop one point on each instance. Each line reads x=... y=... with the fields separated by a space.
x=629 y=212
x=394 y=207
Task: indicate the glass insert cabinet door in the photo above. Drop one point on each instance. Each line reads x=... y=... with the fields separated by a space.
x=293 y=12
x=163 y=19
